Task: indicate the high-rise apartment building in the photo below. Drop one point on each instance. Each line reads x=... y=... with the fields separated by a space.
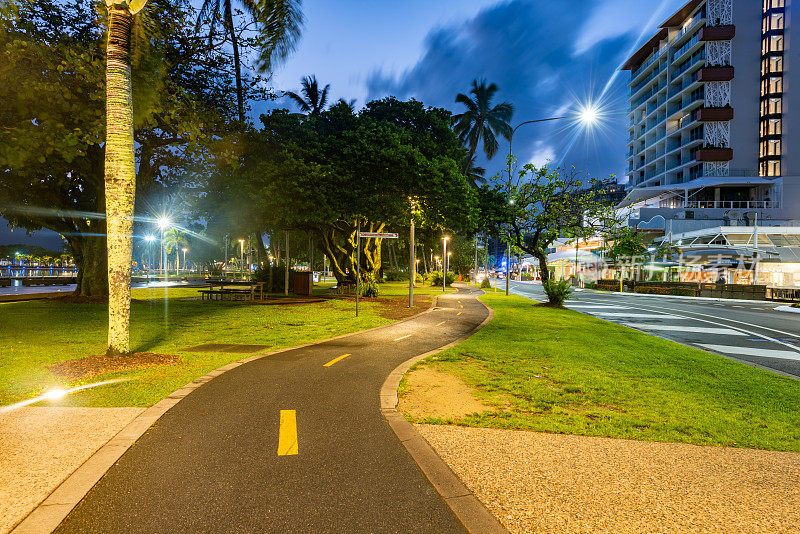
x=711 y=134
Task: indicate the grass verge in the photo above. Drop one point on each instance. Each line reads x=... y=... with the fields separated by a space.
x=36 y=336
x=556 y=370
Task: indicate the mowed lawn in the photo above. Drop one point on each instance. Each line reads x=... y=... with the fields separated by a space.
x=556 y=370
x=35 y=335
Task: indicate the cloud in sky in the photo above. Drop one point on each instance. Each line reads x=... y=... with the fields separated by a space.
x=546 y=57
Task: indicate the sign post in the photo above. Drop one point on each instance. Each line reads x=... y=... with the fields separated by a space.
x=374 y=235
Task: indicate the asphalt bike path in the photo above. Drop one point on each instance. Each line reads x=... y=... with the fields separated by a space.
x=292 y=442
x=749 y=332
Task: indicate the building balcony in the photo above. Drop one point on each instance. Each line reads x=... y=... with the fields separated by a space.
x=714 y=154
x=731 y=204
x=715 y=74
x=715 y=114
x=717 y=33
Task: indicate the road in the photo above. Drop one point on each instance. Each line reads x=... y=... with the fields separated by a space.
x=749 y=332
x=293 y=442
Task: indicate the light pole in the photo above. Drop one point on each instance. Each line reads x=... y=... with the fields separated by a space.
x=412 y=264
x=587 y=115
x=149 y=239
x=241 y=243
x=163 y=224
x=184 y=258
x=444 y=264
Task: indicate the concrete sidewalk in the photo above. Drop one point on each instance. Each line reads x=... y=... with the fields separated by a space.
x=41 y=446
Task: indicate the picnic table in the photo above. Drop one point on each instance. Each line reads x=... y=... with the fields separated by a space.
x=233 y=290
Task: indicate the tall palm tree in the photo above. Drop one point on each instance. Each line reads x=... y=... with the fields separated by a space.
x=482 y=121
x=120 y=171
x=312 y=101
x=278 y=27
x=475 y=175
x=175 y=240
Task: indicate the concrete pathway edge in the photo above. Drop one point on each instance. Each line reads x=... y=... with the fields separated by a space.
x=467 y=508
x=49 y=513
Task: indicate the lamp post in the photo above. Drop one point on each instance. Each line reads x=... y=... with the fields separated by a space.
x=149 y=239
x=412 y=262
x=163 y=224
x=184 y=258
x=241 y=244
x=444 y=264
x=587 y=115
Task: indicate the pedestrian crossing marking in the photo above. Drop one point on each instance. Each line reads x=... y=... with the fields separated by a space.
x=752 y=351
x=689 y=329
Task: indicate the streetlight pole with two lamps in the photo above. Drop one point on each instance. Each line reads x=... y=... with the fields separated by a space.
x=444 y=263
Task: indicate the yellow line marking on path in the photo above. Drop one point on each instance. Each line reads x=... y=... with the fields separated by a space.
x=287 y=435
x=342 y=357
x=399 y=338
x=459 y=313
x=440 y=324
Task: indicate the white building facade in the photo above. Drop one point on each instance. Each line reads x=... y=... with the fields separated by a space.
x=713 y=138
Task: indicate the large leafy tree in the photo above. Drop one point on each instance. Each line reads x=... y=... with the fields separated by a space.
x=52 y=139
x=277 y=25
x=482 y=122
x=331 y=173
x=311 y=100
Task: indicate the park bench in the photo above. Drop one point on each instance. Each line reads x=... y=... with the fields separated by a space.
x=241 y=290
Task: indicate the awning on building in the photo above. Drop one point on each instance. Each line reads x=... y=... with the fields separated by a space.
x=641 y=194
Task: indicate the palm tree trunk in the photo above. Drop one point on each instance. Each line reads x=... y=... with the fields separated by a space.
x=120 y=177
x=237 y=65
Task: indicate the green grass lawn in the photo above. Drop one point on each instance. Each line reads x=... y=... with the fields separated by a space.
x=37 y=334
x=556 y=370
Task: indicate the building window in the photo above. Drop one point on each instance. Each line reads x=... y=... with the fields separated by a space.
x=771 y=127
x=772 y=85
x=771 y=65
x=773 y=22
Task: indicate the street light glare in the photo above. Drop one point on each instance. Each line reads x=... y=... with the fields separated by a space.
x=149 y=238
x=54 y=394
x=164 y=222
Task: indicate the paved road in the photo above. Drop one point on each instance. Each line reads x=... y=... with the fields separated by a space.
x=212 y=463
x=750 y=332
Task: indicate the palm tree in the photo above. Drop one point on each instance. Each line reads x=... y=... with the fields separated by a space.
x=351 y=104
x=174 y=239
x=313 y=100
x=278 y=28
x=120 y=171
x=475 y=175
x=481 y=121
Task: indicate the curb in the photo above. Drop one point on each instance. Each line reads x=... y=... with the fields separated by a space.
x=49 y=513
x=467 y=508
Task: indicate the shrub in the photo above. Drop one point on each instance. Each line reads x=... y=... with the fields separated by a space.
x=369 y=288
x=396 y=276
x=418 y=279
x=486 y=284
x=557 y=291
x=435 y=278
x=654 y=290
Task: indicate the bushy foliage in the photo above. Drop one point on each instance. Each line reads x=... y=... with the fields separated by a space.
x=418 y=279
x=557 y=291
x=435 y=278
x=369 y=288
x=396 y=276
x=486 y=284
x=655 y=290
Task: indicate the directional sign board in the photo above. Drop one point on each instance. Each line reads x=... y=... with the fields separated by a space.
x=377 y=235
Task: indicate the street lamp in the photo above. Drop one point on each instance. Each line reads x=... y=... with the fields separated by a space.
x=241 y=243
x=149 y=239
x=163 y=224
x=184 y=258
x=444 y=264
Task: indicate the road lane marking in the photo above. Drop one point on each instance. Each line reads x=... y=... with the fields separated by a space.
x=636 y=315
x=596 y=306
x=688 y=329
x=440 y=324
x=342 y=357
x=403 y=337
x=750 y=351
x=287 y=433
x=459 y=313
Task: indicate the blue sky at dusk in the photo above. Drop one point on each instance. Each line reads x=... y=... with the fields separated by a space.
x=545 y=55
